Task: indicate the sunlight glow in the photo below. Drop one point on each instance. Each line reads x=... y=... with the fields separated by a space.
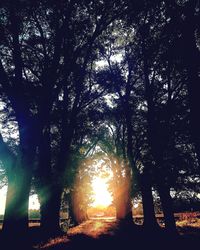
x=33 y=201
x=102 y=196
x=3 y=191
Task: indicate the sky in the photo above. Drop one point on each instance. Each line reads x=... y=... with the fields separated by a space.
x=33 y=201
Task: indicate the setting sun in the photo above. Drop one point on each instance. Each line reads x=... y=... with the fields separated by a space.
x=102 y=196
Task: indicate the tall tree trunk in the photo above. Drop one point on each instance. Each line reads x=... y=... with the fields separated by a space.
x=191 y=56
x=120 y=214
x=134 y=180
x=122 y=190
x=48 y=187
x=72 y=217
x=157 y=146
x=79 y=211
x=19 y=183
x=167 y=206
x=126 y=216
x=150 y=221
x=17 y=200
x=50 y=209
x=123 y=204
x=49 y=193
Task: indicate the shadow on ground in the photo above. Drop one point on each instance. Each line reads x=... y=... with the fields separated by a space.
x=111 y=236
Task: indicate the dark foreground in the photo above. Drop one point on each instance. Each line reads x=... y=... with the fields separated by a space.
x=107 y=234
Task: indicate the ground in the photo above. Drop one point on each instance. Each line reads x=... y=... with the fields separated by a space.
x=107 y=233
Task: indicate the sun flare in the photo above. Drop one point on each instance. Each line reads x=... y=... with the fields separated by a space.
x=102 y=196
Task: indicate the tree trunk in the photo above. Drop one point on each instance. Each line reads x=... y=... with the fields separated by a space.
x=122 y=190
x=123 y=206
x=194 y=90
x=120 y=209
x=150 y=221
x=157 y=147
x=191 y=57
x=72 y=217
x=50 y=209
x=127 y=219
x=15 y=223
x=19 y=184
x=129 y=215
x=167 y=206
x=134 y=179
x=48 y=185
x=49 y=195
x=17 y=200
x=123 y=201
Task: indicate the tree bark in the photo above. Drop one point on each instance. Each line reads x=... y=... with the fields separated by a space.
x=72 y=217
x=17 y=200
x=128 y=115
x=191 y=56
x=167 y=206
x=157 y=146
x=19 y=182
x=150 y=221
x=123 y=204
x=50 y=210
x=48 y=187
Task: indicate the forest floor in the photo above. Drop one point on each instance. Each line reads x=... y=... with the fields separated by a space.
x=107 y=233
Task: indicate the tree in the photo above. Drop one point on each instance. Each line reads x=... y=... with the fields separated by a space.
x=14 y=87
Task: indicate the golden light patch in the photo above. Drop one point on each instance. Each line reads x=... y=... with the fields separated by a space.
x=102 y=196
